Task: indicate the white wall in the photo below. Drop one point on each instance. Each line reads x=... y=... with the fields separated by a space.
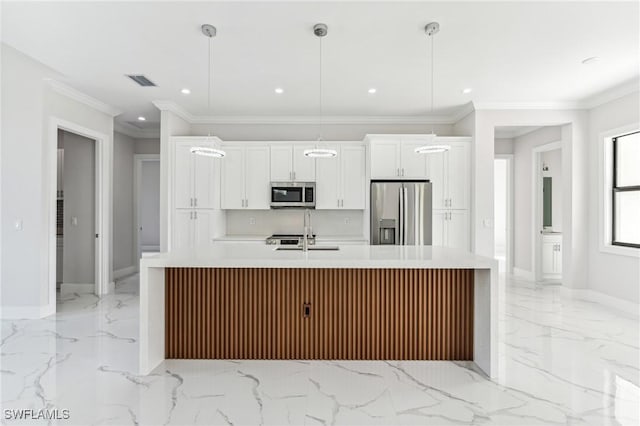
x=79 y=209
x=612 y=274
x=553 y=160
x=309 y=132
x=28 y=106
x=503 y=145
x=123 y=250
x=522 y=214
x=326 y=223
x=147 y=146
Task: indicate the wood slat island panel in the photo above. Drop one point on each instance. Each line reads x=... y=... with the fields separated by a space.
x=366 y=314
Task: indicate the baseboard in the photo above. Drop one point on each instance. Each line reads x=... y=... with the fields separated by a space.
x=26 y=312
x=523 y=273
x=120 y=273
x=604 y=299
x=77 y=288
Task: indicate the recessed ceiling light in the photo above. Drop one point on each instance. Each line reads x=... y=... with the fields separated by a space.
x=467 y=90
x=279 y=90
x=141 y=118
x=185 y=91
x=372 y=90
x=590 y=60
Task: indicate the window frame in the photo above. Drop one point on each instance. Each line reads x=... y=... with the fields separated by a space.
x=615 y=189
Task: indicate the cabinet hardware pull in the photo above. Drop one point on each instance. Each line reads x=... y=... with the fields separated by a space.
x=195 y=215
x=338 y=203
x=306 y=310
x=195 y=202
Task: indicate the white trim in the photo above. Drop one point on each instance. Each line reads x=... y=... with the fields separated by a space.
x=103 y=170
x=510 y=210
x=77 y=288
x=129 y=270
x=27 y=312
x=536 y=190
x=603 y=299
x=605 y=179
x=523 y=273
x=612 y=94
x=528 y=105
x=83 y=98
x=300 y=119
x=138 y=159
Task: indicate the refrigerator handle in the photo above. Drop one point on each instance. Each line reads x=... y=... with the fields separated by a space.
x=401 y=217
x=405 y=219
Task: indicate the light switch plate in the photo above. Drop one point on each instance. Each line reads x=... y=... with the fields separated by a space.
x=74 y=221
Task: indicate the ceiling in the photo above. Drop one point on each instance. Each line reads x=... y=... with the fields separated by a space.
x=510 y=132
x=505 y=51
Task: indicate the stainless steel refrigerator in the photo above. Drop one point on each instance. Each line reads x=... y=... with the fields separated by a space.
x=401 y=212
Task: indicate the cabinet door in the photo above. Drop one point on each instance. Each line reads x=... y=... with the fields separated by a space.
x=204 y=185
x=458 y=229
x=328 y=182
x=233 y=178
x=412 y=165
x=438 y=229
x=352 y=177
x=385 y=159
x=182 y=229
x=458 y=176
x=203 y=228
x=548 y=255
x=257 y=182
x=437 y=177
x=281 y=163
x=558 y=259
x=304 y=168
x=183 y=176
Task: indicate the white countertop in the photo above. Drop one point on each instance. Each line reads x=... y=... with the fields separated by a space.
x=238 y=255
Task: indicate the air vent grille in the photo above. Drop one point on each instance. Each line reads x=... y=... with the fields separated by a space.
x=141 y=80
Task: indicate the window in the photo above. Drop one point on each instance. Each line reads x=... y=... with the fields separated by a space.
x=625 y=194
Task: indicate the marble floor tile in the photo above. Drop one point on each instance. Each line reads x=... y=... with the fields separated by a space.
x=562 y=361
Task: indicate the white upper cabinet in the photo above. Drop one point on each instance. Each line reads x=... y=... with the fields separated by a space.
x=245 y=177
x=437 y=176
x=288 y=163
x=385 y=158
x=194 y=177
x=412 y=165
x=340 y=181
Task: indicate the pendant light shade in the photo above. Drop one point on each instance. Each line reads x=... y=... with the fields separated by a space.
x=208 y=151
x=210 y=32
x=320 y=151
x=431 y=30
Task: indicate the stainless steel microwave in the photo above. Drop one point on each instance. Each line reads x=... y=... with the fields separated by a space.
x=293 y=195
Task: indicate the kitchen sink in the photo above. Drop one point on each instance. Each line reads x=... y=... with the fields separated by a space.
x=310 y=248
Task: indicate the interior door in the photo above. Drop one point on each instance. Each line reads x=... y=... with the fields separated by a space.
x=257 y=177
x=149 y=207
x=352 y=177
x=233 y=178
x=328 y=181
x=183 y=172
x=304 y=168
x=281 y=163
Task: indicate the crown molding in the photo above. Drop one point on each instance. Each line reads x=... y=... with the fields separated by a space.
x=527 y=105
x=612 y=94
x=83 y=98
x=133 y=132
x=311 y=119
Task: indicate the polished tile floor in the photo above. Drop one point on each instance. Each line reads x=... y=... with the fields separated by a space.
x=562 y=361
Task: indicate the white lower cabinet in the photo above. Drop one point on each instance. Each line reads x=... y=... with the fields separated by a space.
x=192 y=228
x=450 y=228
x=551 y=256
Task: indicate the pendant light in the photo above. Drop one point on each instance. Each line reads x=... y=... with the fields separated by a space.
x=431 y=30
x=210 y=32
x=320 y=30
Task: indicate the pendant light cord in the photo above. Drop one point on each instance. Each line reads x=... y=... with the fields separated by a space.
x=320 y=91
x=432 y=86
x=209 y=84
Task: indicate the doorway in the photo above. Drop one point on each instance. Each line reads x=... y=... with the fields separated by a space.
x=146 y=204
x=503 y=212
x=76 y=218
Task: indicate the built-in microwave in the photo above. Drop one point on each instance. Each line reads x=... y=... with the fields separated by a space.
x=293 y=195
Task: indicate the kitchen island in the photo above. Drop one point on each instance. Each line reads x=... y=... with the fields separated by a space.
x=241 y=301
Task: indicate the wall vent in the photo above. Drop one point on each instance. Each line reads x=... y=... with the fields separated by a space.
x=141 y=80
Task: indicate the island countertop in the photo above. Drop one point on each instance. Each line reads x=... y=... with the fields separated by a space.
x=233 y=255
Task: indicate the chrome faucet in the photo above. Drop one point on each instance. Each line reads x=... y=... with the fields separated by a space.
x=306 y=225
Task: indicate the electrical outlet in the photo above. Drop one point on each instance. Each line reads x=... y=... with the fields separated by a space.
x=74 y=221
x=252 y=221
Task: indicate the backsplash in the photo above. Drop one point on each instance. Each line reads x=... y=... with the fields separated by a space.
x=285 y=221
